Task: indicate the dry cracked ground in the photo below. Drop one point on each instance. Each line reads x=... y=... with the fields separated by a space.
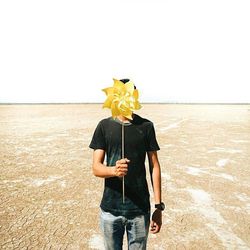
x=50 y=199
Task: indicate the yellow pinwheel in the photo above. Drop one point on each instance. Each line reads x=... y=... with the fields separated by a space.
x=122 y=99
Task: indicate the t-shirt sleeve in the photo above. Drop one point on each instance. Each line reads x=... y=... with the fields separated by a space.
x=98 y=139
x=152 y=144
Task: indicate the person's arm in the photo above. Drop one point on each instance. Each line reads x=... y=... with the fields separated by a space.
x=155 y=170
x=101 y=170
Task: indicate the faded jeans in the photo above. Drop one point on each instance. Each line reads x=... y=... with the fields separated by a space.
x=113 y=228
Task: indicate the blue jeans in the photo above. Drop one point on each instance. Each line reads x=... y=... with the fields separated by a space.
x=113 y=228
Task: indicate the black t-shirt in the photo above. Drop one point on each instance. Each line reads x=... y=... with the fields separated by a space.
x=139 y=138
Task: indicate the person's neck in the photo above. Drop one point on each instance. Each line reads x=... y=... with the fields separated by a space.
x=123 y=118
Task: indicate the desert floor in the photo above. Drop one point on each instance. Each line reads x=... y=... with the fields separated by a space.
x=50 y=198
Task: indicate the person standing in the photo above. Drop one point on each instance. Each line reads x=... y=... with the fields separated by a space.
x=133 y=213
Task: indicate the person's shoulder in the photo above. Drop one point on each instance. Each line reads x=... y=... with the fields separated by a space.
x=105 y=121
x=138 y=120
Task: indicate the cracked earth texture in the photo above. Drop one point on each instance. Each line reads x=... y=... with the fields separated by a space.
x=49 y=198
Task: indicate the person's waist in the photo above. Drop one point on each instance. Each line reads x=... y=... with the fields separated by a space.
x=126 y=211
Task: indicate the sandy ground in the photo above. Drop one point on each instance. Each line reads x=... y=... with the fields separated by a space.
x=50 y=199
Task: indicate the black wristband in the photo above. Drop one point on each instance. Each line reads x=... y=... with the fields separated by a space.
x=160 y=206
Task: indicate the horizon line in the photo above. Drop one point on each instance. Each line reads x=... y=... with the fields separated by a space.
x=65 y=103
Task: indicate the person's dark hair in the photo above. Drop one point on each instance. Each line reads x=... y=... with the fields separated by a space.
x=125 y=80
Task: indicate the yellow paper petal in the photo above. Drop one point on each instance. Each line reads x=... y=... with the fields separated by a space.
x=115 y=111
x=129 y=87
x=108 y=102
x=125 y=111
x=136 y=94
x=137 y=105
x=118 y=85
x=108 y=91
x=128 y=115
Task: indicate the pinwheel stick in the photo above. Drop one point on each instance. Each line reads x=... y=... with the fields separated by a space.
x=123 y=181
x=122 y=99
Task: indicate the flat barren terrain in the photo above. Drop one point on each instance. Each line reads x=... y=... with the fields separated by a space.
x=50 y=198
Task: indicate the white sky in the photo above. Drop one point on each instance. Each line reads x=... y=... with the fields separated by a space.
x=181 y=51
